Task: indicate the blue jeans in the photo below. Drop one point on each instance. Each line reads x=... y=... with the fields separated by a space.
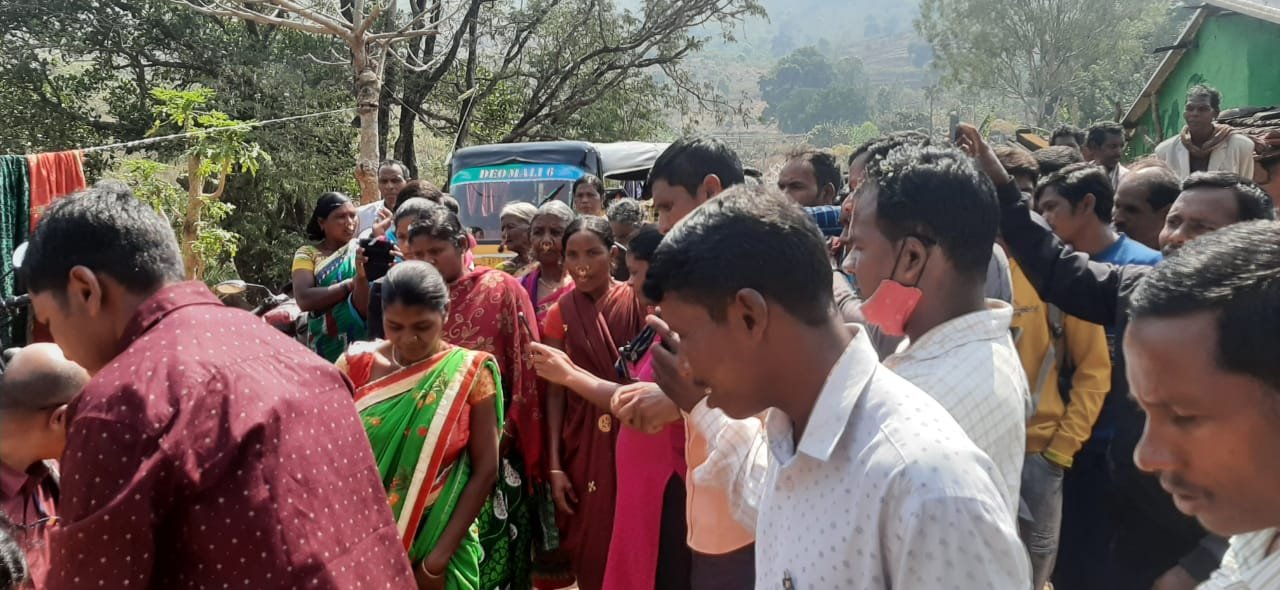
x=1042 y=521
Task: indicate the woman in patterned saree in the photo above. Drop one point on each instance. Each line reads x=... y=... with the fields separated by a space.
x=485 y=311
x=324 y=276
x=590 y=323
x=432 y=411
x=547 y=281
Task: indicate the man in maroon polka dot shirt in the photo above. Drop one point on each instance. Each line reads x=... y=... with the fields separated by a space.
x=209 y=450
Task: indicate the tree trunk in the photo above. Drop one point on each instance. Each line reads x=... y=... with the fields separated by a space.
x=406 y=146
x=191 y=221
x=368 y=89
x=464 y=119
x=390 y=79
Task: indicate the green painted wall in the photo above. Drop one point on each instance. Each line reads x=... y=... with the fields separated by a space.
x=1238 y=55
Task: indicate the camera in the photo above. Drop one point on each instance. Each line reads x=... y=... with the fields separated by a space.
x=378 y=257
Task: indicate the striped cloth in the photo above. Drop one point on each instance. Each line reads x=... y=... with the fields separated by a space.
x=1246 y=565
x=15 y=207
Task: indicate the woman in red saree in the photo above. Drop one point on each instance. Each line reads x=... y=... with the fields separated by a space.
x=547 y=281
x=648 y=548
x=589 y=323
x=488 y=311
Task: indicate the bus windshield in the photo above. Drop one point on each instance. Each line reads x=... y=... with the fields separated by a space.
x=483 y=192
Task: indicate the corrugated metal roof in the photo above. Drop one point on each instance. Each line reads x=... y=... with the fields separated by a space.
x=1268 y=10
x=1262 y=124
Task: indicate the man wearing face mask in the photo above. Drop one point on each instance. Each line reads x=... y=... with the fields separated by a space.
x=922 y=235
x=35 y=389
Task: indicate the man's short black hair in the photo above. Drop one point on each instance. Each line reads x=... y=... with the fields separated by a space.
x=880 y=147
x=688 y=161
x=826 y=168
x=777 y=251
x=1161 y=185
x=1067 y=131
x=1251 y=200
x=1053 y=159
x=1100 y=131
x=1017 y=161
x=1233 y=273
x=1206 y=91
x=936 y=194
x=1077 y=181
x=404 y=170
x=108 y=231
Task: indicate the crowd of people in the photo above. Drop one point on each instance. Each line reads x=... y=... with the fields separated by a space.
x=947 y=365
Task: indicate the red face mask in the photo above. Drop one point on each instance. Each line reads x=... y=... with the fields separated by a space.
x=891 y=306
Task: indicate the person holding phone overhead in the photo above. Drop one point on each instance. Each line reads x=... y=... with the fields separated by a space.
x=324 y=276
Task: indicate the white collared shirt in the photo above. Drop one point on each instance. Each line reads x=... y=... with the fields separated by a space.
x=884 y=491
x=1246 y=566
x=969 y=364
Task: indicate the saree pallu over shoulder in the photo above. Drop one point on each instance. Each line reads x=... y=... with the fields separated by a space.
x=484 y=311
x=540 y=307
x=594 y=330
x=418 y=422
x=329 y=332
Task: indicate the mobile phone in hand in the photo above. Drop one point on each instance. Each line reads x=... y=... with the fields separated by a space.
x=378 y=257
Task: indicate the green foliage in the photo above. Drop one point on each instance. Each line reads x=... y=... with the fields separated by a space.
x=805 y=90
x=150 y=182
x=833 y=135
x=78 y=73
x=1043 y=55
x=219 y=145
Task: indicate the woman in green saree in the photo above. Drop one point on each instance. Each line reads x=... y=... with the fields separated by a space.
x=324 y=275
x=433 y=412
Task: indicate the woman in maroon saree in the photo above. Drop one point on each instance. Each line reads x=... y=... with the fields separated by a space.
x=546 y=281
x=485 y=310
x=589 y=323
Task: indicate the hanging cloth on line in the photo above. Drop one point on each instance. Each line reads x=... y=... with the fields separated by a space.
x=53 y=175
x=15 y=210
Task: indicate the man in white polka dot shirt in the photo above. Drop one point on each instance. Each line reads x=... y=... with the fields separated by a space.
x=870 y=483
x=208 y=450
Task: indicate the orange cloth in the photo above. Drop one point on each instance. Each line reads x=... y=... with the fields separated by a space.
x=712 y=528
x=53 y=175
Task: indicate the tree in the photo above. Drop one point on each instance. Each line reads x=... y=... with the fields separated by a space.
x=370 y=32
x=804 y=90
x=556 y=60
x=1037 y=53
x=218 y=146
x=834 y=135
